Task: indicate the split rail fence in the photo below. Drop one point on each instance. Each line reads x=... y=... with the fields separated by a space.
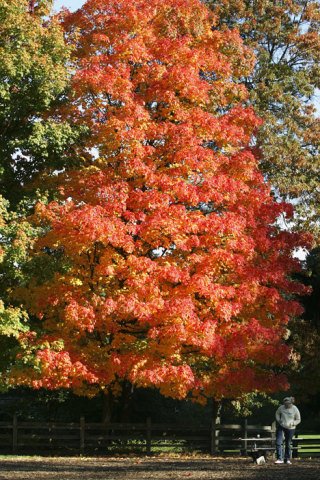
x=19 y=437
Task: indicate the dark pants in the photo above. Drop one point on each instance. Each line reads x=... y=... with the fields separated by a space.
x=288 y=435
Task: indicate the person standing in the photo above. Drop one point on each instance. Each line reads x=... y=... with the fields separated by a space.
x=287 y=417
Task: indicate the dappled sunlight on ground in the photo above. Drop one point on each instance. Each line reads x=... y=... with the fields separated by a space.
x=158 y=468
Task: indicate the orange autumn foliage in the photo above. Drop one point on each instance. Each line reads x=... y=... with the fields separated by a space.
x=177 y=277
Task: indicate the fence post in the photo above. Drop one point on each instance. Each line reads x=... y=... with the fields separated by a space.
x=273 y=434
x=212 y=438
x=295 y=444
x=148 y=442
x=245 y=436
x=15 y=433
x=82 y=435
x=214 y=447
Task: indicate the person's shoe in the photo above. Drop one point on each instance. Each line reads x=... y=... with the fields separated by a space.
x=279 y=461
x=288 y=462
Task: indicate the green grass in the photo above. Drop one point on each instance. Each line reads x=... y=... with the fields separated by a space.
x=310 y=449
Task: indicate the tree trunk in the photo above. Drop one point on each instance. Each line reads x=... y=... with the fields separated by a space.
x=126 y=402
x=31 y=6
x=216 y=411
x=107 y=406
x=215 y=431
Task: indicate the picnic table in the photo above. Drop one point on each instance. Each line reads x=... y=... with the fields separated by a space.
x=258 y=446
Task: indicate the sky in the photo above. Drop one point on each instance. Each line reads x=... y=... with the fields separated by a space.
x=71 y=4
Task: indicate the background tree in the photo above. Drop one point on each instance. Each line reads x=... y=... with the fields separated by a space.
x=170 y=270
x=283 y=87
x=33 y=74
x=305 y=375
x=33 y=77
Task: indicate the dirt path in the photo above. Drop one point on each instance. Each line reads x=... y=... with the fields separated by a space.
x=154 y=468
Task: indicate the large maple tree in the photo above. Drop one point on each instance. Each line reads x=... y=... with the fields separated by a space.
x=170 y=270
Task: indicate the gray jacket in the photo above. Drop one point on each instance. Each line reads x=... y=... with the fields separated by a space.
x=288 y=417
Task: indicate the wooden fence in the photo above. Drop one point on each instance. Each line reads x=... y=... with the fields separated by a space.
x=20 y=437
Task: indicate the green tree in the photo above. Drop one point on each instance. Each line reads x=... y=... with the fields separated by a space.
x=305 y=336
x=285 y=37
x=13 y=251
x=33 y=75
x=33 y=78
